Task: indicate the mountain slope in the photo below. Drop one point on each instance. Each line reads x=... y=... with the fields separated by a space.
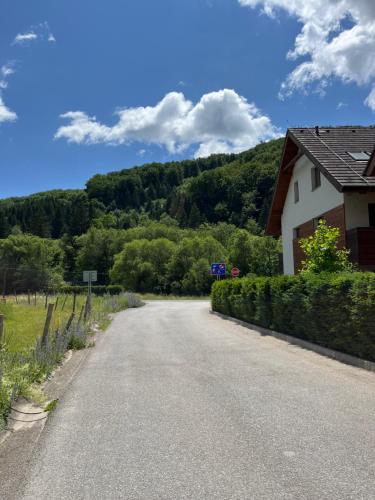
x=229 y=188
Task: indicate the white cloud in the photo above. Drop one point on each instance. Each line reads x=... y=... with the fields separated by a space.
x=40 y=32
x=337 y=37
x=6 y=115
x=221 y=121
x=5 y=72
x=25 y=37
x=341 y=105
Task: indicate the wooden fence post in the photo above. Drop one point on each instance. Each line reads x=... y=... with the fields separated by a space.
x=81 y=314
x=46 y=302
x=69 y=323
x=56 y=303
x=1 y=329
x=47 y=324
x=87 y=307
x=74 y=302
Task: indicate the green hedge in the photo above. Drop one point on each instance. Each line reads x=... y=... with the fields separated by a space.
x=96 y=289
x=333 y=310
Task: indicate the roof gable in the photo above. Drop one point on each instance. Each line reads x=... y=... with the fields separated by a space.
x=328 y=149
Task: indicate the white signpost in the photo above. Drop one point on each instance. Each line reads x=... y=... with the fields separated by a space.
x=90 y=276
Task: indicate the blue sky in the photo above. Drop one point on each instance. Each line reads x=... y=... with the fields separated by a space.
x=116 y=60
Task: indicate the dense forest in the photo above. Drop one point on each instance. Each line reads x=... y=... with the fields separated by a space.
x=150 y=228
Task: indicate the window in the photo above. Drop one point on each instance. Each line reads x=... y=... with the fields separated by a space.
x=296 y=192
x=359 y=156
x=316 y=221
x=315 y=178
x=296 y=233
x=371 y=214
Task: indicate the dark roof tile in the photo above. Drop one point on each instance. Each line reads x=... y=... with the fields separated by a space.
x=329 y=150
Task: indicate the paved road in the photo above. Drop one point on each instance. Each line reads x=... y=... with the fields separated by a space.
x=175 y=403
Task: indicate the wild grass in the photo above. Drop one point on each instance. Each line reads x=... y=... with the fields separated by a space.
x=24 y=361
x=24 y=323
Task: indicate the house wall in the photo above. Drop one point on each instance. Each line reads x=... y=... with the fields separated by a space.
x=356 y=209
x=311 y=204
x=334 y=217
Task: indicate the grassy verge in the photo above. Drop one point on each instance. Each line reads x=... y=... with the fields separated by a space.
x=24 y=361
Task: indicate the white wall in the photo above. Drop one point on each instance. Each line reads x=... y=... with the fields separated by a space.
x=311 y=204
x=356 y=209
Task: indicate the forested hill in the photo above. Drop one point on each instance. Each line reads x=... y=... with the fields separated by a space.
x=232 y=188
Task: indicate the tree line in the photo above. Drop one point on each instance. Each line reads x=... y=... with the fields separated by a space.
x=155 y=228
x=152 y=257
x=228 y=188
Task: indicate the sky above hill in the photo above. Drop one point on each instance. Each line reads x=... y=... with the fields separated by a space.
x=90 y=86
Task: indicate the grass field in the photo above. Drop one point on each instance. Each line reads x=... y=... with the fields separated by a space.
x=24 y=323
x=24 y=361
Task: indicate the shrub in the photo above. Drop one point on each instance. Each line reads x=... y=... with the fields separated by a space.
x=333 y=310
x=322 y=252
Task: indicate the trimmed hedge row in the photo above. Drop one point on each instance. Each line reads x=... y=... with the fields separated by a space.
x=333 y=310
x=96 y=289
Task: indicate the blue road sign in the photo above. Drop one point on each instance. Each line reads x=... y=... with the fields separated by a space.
x=218 y=269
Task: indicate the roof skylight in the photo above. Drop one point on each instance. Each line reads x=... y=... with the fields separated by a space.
x=359 y=156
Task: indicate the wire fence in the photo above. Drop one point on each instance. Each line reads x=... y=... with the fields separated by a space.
x=18 y=370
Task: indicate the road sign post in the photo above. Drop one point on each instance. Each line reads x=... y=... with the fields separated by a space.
x=218 y=269
x=235 y=272
x=89 y=277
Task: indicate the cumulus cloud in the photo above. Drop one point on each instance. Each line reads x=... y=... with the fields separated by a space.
x=337 y=38
x=221 y=121
x=6 y=115
x=41 y=32
x=25 y=37
x=5 y=72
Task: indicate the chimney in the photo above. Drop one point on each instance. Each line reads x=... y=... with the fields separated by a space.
x=317 y=130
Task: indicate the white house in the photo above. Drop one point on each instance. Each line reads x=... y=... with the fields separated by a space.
x=326 y=173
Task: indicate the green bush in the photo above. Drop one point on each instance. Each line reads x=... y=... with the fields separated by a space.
x=333 y=310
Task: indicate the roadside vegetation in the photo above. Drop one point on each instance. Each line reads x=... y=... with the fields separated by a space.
x=328 y=303
x=155 y=257
x=26 y=358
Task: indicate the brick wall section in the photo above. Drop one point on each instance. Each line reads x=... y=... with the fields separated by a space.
x=334 y=217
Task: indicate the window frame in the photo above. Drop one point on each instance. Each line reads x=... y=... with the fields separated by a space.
x=296 y=192
x=316 y=178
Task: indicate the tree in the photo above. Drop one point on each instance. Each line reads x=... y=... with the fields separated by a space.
x=141 y=265
x=254 y=254
x=322 y=253
x=195 y=217
x=190 y=263
x=96 y=250
x=30 y=263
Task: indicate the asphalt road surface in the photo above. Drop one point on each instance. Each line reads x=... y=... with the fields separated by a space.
x=176 y=403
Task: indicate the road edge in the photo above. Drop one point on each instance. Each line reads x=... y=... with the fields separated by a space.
x=17 y=448
x=318 y=349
